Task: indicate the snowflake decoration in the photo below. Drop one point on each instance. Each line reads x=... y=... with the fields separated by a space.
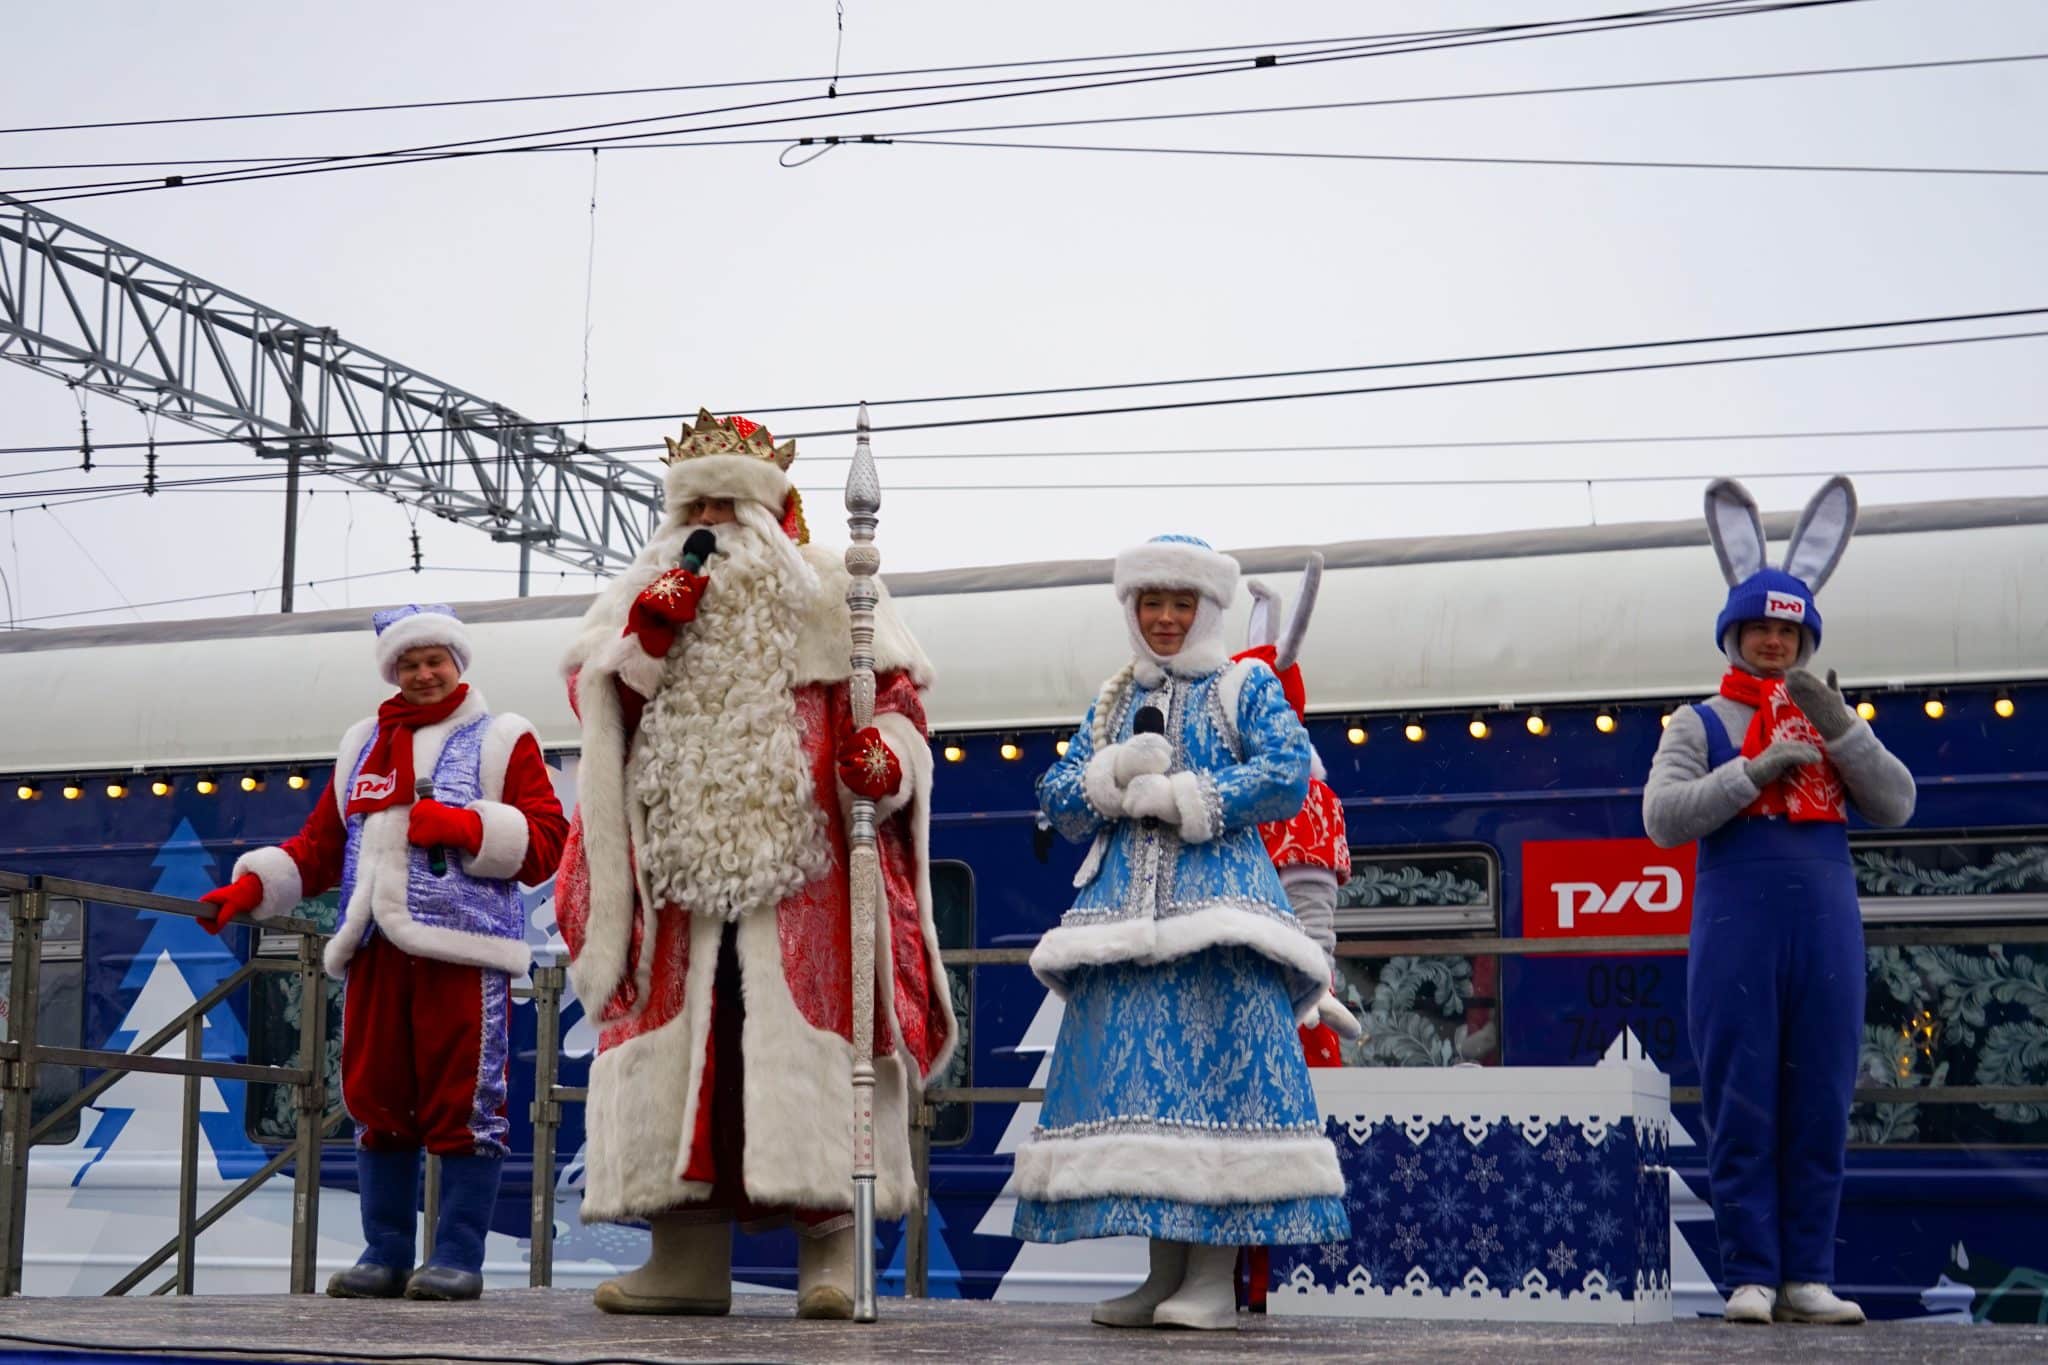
x=1561 y=1153
x=1518 y=1227
x=1335 y=1255
x=1485 y=1170
x=1408 y=1238
x=1446 y=1258
x=1408 y=1172
x=1484 y=1241
x=1444 y=1153
x=1379 y=1196
x=1518 y=1194
x=1446 y=1204
x=1606 y=1183
x=1375 y=1228
x=1562 y=1259
x=1558 y=1209
x=1604 y=1229
x=1524 y=1155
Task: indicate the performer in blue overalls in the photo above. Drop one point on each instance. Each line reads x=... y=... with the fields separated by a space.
x=1761 y=775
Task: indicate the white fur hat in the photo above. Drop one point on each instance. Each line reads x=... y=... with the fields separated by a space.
x=410 y=627
x=1186 y=562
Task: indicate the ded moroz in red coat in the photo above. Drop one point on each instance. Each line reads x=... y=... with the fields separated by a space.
x=652 y=967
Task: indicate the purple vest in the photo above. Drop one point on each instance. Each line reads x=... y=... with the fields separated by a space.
x=456 y=900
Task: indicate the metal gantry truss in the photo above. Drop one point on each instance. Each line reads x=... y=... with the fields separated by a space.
x=106 y=318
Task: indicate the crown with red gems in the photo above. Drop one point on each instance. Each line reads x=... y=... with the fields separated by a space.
x=731 y=436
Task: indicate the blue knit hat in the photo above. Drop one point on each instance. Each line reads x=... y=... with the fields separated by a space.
x=1769 y=595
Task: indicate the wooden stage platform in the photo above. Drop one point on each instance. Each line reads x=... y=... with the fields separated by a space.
x=557 y=1326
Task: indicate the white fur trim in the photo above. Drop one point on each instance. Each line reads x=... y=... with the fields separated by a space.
x=500 y=739
x=1202 y=653
x=1230 y=691
x=1176 y=564
x=1197 y=1168
x=353 y=741
x=633 y=665
x=1190 y=800
x=1316 y=771
x=422 y=628
x=1098 y=784
x=504 y=843
x=283 y=887
x=596 y=970
x=1332 y=1011
x=1063 y=949
x=725 y=476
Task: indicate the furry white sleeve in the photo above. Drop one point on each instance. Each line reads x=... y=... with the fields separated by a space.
x=283 y=888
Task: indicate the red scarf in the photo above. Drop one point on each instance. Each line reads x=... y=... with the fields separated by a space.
x=386 y=777
x=1813 y=792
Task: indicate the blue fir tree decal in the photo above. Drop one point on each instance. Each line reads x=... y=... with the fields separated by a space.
x=943 y=1277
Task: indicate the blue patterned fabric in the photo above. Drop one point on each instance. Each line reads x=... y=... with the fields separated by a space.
x=1565 y=1208
x=1253 y=767
x=1204 y=1045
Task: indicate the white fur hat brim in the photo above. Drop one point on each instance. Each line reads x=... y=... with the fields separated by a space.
x=726 y=476
x=424 y=628
x=1176 y=564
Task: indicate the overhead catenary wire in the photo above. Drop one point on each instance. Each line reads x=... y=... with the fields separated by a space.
x=1547 y=353
x=895 y=134
x=473 y=147
x=314 y=583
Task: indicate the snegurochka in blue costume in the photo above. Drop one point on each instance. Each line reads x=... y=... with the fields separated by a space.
x=1178 y=1106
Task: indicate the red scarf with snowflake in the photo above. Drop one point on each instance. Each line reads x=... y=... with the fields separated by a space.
x=386 y=776
x=1810 y=793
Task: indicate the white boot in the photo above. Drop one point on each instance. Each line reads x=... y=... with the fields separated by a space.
x=689 y=1271
x=1207 y=1297
x=1804 y=1301
x=1750 y=1304
x=824 y=1274
x=1169 y=1267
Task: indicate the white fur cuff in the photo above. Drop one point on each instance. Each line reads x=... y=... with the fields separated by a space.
x=504 y=843
x=726 y=476
x=283 y=888
x=1332 y=1011
x=1201 y=1169
x=635 y=667
x=1200 y=812
x=1098 y=784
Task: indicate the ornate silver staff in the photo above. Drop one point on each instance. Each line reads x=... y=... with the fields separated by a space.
x=863 y=868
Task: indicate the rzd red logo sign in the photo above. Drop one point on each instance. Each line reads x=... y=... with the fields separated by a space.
x=1602 y=887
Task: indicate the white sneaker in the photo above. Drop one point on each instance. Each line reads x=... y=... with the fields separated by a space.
x=1207 y=1299
x=1750 y=1304
x=1169 y=1267
x=1803 y=1301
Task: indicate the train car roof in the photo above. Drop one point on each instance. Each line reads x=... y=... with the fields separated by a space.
x=1947 y=592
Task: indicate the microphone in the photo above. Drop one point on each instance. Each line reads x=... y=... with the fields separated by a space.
x=437 y=857
x=698 y=548
x=1150 y=720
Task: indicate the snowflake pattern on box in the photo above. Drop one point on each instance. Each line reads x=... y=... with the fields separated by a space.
x=1520 y=1207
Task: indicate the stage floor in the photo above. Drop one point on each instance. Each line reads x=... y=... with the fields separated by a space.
x=551 y=1326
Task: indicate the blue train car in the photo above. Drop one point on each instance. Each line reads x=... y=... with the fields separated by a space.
x=1486 y=706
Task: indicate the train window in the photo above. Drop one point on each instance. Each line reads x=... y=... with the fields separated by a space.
x=1954 y=1014
x=1421 y=1011
x=270 y=1114
x=953 y=915
x=60 y=1004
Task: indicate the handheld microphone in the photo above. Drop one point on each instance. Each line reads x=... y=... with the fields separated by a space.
x=437 y=857
x=1150 y=720
x=698 y=549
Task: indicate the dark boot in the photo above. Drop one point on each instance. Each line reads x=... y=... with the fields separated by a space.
x=469 y=1191
x=389 y=1183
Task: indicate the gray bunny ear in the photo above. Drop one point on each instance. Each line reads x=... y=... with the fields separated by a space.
x=1265 y=623
x=1736 y=528
x=1822 y=533
x=1304 y=607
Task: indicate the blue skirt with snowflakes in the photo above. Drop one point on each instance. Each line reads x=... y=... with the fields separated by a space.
x=1179 y=1107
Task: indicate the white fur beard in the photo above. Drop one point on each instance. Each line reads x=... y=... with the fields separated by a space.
x=733 y=826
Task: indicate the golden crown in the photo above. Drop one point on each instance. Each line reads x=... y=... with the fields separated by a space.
x=732 y=436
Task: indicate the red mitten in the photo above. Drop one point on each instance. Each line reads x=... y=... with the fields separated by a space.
x=664 y=607
x=434 y=825
x=232 y=901
x=868 y=767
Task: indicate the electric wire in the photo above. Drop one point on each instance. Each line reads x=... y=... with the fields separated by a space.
x=760 y=410
x=476 y=146
x=1108 y=120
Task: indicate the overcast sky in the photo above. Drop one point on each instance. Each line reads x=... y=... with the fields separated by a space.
x=723 y=279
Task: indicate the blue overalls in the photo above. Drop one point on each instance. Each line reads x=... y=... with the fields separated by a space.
x=1774 y=989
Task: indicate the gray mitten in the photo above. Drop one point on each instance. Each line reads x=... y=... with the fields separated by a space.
x=1780 y=758
x=1823 y=704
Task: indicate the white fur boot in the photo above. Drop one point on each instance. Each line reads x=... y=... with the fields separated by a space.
x=1207 y=1297
x=1169 y=1268
x=689 y=1272
x=824 y=1274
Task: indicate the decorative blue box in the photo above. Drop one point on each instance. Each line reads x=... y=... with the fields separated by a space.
x=1510 y=1193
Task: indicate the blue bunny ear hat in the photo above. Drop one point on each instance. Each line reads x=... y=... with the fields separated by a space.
x=1182 y=564
x=1757 y=592
x=409 y=627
